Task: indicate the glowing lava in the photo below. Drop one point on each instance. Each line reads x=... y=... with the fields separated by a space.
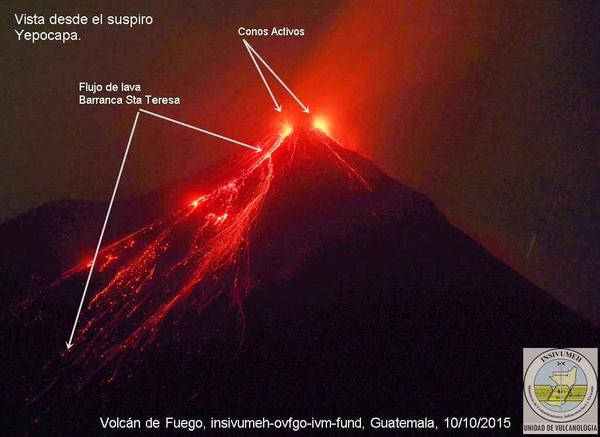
x=190 y=259
x=321 y=124
x=286 y=129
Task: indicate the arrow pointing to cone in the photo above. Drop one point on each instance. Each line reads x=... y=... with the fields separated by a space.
x=262 y=76
x=277 y=107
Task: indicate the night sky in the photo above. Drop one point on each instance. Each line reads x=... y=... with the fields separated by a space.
x=487 y=107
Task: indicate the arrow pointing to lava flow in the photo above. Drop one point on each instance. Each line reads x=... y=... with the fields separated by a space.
x=110 y=204
x=253 y=53
x=114 y=193
x=239 y=143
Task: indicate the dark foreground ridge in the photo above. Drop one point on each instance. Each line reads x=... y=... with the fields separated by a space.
x=310 y=284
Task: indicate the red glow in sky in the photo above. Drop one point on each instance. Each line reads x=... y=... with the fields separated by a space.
x=373 y=71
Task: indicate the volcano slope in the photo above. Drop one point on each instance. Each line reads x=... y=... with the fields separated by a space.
x=303 y=282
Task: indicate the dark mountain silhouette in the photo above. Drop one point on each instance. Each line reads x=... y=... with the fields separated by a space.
x=309 y=283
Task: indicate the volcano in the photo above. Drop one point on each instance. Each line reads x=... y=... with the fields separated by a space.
x=302 y=281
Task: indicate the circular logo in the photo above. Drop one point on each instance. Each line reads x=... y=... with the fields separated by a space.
x=560 y=385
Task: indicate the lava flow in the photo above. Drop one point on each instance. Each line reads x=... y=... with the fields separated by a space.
x=190 y=259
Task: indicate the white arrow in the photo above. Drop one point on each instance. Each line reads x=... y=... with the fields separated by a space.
x=114 y=193
x=110 y=204
x=254 y=52
x=262 y=76
x=180 y=123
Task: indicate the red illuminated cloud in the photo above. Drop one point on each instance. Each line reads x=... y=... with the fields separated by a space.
x=379 y=61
